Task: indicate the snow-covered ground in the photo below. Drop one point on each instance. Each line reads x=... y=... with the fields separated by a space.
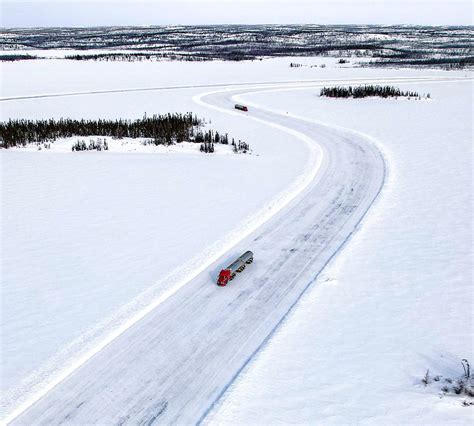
x=113 y=232
x=122 y=146
x=345 y=173
x=398 y=300
x=90 y=239
x=24 y=78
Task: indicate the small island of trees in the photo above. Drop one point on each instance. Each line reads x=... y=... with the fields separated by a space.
x=163 y=129
x=367 y=90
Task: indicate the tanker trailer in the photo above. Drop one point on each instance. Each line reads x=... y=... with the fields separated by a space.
x=228 y=274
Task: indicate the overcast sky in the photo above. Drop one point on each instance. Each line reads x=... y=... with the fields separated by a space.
x=19 y=13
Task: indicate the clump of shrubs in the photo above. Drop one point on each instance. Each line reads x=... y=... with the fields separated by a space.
x=240 y=147
x=93 y=145
x=43 y=145
x=462 y=386
x=210 y=136
x=207 y=147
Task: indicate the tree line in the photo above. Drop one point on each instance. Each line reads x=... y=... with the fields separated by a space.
x=163 y=129
x=364 y=91
x=137 y=57
x=16 y=57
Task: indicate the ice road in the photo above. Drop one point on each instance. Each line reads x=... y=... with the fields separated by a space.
x=174 y=364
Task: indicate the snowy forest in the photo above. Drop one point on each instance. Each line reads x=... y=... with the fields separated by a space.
x=161 y=129
x=365 y=91
x=414 y=46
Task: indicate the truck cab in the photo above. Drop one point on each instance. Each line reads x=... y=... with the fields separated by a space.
x=224 y=277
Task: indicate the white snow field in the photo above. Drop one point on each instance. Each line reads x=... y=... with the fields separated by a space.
x=110 y=237
x=107 y=233
x=205 y=328
x=398 y=300
x=123 y=145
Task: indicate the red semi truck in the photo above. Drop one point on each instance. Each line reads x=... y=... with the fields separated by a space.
x=241 y=107
x=228 y=274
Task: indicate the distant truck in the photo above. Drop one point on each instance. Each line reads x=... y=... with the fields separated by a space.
x=228 y=274
x=241 y=107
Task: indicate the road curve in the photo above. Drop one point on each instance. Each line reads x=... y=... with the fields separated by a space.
x=173 y=365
